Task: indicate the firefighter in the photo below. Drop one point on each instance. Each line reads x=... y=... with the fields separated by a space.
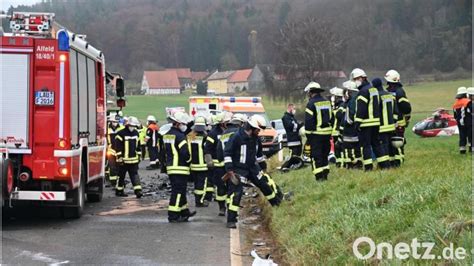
x=128 y=156
x=468 y=117
x=338 y=110
x=388 y=119
x=459 y=110
x=152 y=140
x=236 y=122
x=199 y=169
x=318 y=129
x=176 y=160
x=112 y=130
x=367 y=121
x=404 y=112
x=292 y=128
x=244 y=159
x=350 y=135
x=216 y=165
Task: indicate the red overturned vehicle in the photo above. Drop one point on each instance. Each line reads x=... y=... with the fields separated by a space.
x=440 y=124
x=52 y=115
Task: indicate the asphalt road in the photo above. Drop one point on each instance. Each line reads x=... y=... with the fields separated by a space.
x=117 y=231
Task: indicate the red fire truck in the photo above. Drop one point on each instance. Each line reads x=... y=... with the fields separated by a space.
x=52 y=115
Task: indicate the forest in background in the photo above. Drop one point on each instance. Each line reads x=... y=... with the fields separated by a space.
x=422 y=36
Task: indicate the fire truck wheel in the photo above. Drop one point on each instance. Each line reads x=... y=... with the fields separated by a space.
x=96 y=196
x=77 y=196
x=7 y=178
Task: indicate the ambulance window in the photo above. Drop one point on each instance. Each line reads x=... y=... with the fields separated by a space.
x=91 y=81
x=213 y=106
x=74 y=97
x=83 y=106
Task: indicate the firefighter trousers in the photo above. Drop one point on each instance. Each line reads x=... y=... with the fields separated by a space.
x=338 y=152
x=463 y=137
x=113 y=171
x=178 y=205
x=352 y=155
x=153 y=153
x=398 y=153
x=386 y=140
x=469 y=136
x=320 y=149
x=200 y=183
x=221 y=192
x=370 y=142
x=233 y=201
x=261 y=184
x=210 y=187
x=132 y=170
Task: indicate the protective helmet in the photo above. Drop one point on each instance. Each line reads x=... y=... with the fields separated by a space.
x=216 y=119
x=313 y=86
x=179 y=117
x=112 y=118
x=120 y=113
x=397 y=142
x=226 y=117
x=350 y=85
x=470 y=91
x=199 y=124
x=257 y=121
x=164 y=129
x=337 y=91
x=392 y=76
x=356 y=73
x=238 y=119
x=151 y=118
x=133 y=121
x=462 y=90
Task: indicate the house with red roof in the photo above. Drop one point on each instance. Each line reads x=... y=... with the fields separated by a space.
x=184 y=76
x=239 y=81
x=161 y=82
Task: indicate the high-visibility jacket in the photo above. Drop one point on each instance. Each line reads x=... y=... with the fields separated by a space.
x=292 y=129
x=152 y=136
x=211 y=145
x=176 y=152
x=318 y=116
x=388 y=110
x=128 y=146
x=403 y=104
x=338 y=114
x=368 y=106
x=196 y=147
x=242 y=153
x=459 y=110
x=226 y=135
x=142 y=135
x=111 y=133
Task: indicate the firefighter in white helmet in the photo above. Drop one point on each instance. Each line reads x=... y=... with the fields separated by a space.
x=338 y=110
x=128 y=156
x=318 y=129
x=404 y=111
x=177 y=159
x=367 y=121
x=468 y=117
x=349 y=133
x=459 y=111
x=243 y=157
x=112 y=129
x=152 y=140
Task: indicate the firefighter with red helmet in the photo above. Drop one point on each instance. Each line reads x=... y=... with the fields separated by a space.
x=128 y=157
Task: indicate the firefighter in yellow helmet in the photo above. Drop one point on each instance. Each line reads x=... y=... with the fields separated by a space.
x=128 y=156
x=177 y=159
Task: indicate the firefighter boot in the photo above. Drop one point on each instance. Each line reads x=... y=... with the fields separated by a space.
x=222 y=208
x=138 y=193
x=186 y=214
x=120 y=193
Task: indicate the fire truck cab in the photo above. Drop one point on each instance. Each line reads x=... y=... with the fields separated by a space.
x=52 y=115
x=249 y=106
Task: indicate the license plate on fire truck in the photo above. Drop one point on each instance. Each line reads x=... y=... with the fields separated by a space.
x=44 y=98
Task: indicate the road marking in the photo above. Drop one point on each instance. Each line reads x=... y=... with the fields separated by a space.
x=235 y=249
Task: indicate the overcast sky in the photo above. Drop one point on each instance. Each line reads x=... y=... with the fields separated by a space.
x=5 y=4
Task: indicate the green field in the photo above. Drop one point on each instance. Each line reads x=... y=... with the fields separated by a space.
x=429 y=198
